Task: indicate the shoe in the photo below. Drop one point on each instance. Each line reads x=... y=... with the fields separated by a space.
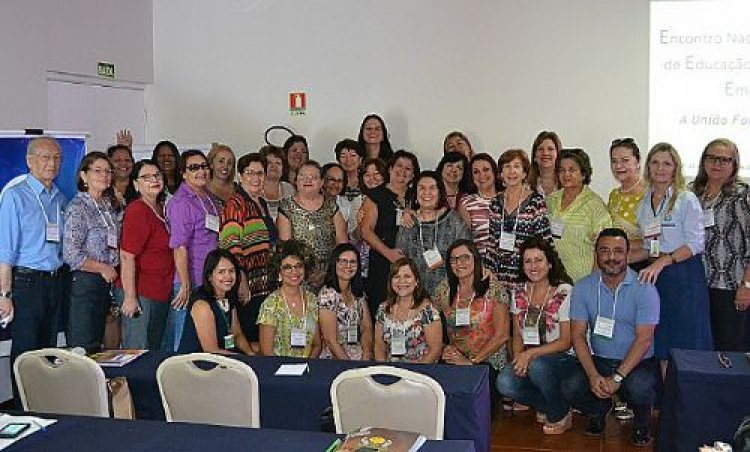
x=596 y=426
x=559 y=427
x=641 y=437
x=624 y=414
x=520 y=407
x=541 y=418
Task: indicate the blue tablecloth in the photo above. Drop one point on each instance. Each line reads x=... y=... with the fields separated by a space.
x=295 y=403
x=85 y=434
x=703 y=402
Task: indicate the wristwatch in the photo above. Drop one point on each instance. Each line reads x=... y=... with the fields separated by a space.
x=5 y=294
x=617 y=377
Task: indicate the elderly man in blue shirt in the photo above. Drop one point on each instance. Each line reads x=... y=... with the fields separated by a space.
x=617 y=314
x=31 y=283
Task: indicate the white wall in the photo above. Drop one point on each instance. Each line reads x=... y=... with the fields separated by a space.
x=500 y=70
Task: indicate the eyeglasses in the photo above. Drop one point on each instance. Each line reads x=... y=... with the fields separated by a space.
x=253 y=173
x=719 y=160
x=464 y=258
x=290 y=267
x=197 y=166
x=346 y=262
x=621 y=141
x=100 y=171
x=150 y=177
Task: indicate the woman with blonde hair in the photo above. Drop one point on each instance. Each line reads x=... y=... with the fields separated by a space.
x=222 y=185
x=671 y=221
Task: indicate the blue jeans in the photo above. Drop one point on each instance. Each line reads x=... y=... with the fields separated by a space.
x=37 y=299
x=175 y=323
x=89 y=301
x=638 y=389
x=541 y=388
x=147 y=330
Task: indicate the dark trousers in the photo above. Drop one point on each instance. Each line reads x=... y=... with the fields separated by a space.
x=37 y=299
x=89 y=301
x=638 y=389
x=728 y=325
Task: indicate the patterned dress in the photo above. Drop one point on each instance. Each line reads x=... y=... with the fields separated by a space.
x=275 y=312
x=413 y=328
x=472 y=338
x=479 y=214
x=314 y=228
x=330 y=299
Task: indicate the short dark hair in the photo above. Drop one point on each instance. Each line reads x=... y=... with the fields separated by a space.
x=402 y=154
x=348 y=143
x=210 y=264
x=480 y=284
x=557 y=274
x=420 y=293
x=442 y=201
x=131 y=193
x=379 y=164
x=119 y=147
x=190 y=153
x=327 y=167
x=247 y=159
x=613 y=232
x=581 y=158
x=289 y=248
x=627 y=143
x=332 y=279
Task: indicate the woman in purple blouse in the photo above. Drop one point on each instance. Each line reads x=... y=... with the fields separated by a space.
x=193 y=216
x=90 y=247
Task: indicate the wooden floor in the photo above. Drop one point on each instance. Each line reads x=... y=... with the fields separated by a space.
x=518 y=431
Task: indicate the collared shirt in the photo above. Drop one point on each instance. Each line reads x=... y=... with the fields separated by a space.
x=23 y=225
x=683 y=225
x=88 y=223
x=637 y=304
x=186 y=214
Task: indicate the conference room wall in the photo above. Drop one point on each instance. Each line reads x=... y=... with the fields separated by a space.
x=51 y=39
x=499 y=70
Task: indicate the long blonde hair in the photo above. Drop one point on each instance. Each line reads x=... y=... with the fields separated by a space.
x=678 y=185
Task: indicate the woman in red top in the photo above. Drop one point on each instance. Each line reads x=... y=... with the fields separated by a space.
x=147 y=266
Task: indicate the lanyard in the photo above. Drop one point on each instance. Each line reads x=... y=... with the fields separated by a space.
x=289 y=310
x=530 y=290
x=162 y=219
x=224 y=311
x=471 y=300
x=354 y=313
x=44 y=212
x=107 y=224
x=667 y=196
x=434 y=238
x=599 y=295
x=203 y=204
x=502 y=218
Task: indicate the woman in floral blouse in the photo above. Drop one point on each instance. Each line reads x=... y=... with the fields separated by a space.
x=407 y=326
x=541 y=338
x=345 y=322
x=475 y=307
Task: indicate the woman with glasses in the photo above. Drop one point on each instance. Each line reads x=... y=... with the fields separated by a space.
x=311 y=218
x=407 y=325
x=90 y=247
x=671 y=221
x=474 y=207
x=274 y=188
x=726 y=219
x=288 y=319
x=193 y=217
x=576 y=213
x=543 y=173
x=345 y=323
x=147 y=264
x=249 y=232
x=222 y=184
x=213 y=325
x=475 y=308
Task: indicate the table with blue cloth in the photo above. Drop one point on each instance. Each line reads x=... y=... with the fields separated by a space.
x=89 y=434
x=702 y=402
x=296 y=403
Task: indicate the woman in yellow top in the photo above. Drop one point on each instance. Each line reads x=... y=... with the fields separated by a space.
x=577 y=214
x=625 y=162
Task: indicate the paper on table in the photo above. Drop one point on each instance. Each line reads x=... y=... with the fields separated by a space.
x=37 y=424
x=292 y=369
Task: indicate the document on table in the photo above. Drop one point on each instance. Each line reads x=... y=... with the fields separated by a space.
x=292 y=369
x=35 y=424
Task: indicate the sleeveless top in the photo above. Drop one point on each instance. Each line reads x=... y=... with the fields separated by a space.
x=189 y=342
x=315 y=228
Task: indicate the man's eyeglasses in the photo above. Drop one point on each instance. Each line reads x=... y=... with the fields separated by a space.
x=719 y=160
x=198 y=166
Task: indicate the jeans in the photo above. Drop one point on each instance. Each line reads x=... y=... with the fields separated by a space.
x=89 y=301
x=541 y=388
x=37 y=299
x=638 y=389
x=147 y=330
x=175 y=323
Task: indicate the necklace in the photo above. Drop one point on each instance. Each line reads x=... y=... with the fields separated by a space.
x=629 y=189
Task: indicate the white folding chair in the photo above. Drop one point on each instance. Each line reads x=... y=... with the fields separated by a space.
x=415 y=403
x=224 y=393
x=53 y=380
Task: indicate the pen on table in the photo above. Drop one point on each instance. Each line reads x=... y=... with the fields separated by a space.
x=334 y=445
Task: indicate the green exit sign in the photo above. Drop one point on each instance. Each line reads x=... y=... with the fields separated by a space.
x=105 y=69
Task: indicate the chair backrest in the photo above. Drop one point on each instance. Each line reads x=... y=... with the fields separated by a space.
x=225 y=392
x=58 y=381
x=415 y=403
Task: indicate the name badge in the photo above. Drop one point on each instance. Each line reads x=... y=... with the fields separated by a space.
x=298 y=337
x=463 y=316
x=604 y=327
x=654 y=248
x=229 y=342
x=351 y=334
x=398 y=343
x=653 y=229
x=212 y=223
x=530 y=335
x=433 y=258
x=558 y=227
x=399 y=217
x=112 y=239
x=507 y=241
x=708 y=218
x=52 y=232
